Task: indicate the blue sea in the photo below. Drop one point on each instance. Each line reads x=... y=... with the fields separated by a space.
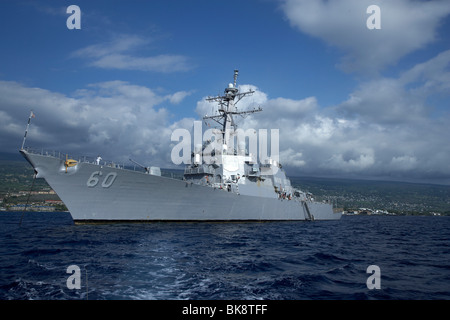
x=224 y=261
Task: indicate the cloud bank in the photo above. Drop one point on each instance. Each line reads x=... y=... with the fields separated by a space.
x=386 y=128
x=406 y=26
x=116 y=119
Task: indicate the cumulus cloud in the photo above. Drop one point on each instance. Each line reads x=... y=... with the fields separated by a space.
x=385 y=101
x=403 y=99
x=177 y=97
x=429 y=77
x=117 y=54
x=406 y=25
x=115 y=118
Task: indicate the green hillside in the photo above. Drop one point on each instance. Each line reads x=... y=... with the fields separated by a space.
x=397 y=197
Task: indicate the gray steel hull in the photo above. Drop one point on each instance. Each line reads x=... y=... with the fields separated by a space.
x=94 y=193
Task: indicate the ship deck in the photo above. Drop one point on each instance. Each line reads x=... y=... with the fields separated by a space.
x=107 y=163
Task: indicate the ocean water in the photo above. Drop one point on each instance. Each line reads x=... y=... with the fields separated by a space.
x=225 y=261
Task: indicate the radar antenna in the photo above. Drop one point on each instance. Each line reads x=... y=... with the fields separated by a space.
x=227 y=107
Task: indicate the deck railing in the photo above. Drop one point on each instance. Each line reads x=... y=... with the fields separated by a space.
x=81 y=159
x=93 y=160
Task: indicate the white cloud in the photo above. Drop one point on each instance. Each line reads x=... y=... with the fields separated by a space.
x=430 y=77
x=292 y=158
x=402 y=100
x=385 y=101
x=116 y=54
x=121 y=43
x=355 y=163
x=406 y=25
x=177 y=97
x=160 y=63
x=114 y=118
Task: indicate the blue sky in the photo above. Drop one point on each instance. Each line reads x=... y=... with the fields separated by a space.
x=349 y=101
x=213 y=39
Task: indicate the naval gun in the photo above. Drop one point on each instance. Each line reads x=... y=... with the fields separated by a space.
x=156 y=171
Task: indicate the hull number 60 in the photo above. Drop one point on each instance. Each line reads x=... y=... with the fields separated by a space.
x=95 y=178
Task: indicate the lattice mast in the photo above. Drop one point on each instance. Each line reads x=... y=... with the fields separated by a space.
x=227 y=108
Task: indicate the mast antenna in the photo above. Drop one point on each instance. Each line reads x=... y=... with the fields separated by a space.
x=227 y=105
x=26 y=130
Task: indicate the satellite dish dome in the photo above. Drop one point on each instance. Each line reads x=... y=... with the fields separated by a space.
x=230 y=85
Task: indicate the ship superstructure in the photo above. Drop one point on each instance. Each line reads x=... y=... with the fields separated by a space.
x=229 y=164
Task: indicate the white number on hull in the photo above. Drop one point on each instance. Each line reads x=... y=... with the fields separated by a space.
x=107 y=181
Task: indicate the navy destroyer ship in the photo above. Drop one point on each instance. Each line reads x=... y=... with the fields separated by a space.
x=219 y=184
